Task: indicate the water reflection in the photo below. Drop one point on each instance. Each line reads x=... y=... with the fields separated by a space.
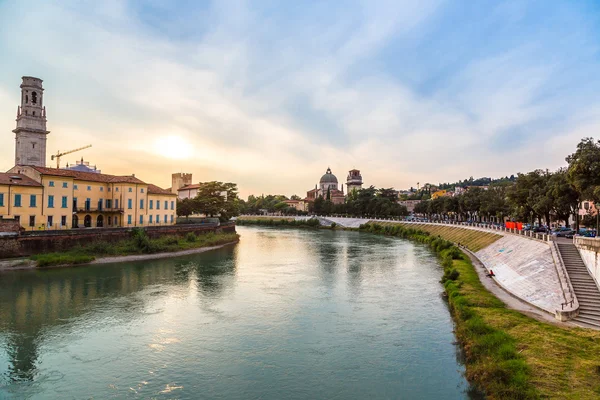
x=32 y=303
x=284 y=314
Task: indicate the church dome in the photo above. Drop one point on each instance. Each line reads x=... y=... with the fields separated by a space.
x=328 y=177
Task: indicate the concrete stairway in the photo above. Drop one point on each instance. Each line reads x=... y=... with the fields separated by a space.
x=584 y=286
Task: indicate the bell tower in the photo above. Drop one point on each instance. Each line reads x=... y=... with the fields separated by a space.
x=30 y=133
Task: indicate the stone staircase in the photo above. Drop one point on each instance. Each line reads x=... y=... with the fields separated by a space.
x=584 y=286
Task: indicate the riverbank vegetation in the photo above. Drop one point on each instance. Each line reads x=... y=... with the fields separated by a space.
x=278 y=221
x=138 y=243
x=508 y=355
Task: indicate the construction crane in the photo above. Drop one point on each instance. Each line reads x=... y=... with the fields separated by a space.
x=58 y=154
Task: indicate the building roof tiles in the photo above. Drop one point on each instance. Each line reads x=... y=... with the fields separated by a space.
x=17 y=180
x=89 y=176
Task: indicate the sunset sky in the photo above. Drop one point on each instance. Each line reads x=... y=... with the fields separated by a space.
x=268 y=94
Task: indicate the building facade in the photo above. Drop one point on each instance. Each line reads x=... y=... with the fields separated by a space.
x=327 y=189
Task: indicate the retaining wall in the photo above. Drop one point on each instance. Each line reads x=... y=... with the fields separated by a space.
x=589 y=249
x=29 y=243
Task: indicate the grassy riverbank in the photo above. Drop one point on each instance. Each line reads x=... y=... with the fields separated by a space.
x=508 y=355
x=278 y=221
x=138 y=244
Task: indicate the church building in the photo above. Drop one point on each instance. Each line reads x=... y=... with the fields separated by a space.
x=328 y=187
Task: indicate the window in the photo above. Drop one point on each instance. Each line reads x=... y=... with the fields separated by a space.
x=158 y=204
x=102 y=188
x=18 y=218
x=116 y=189
x=17 y=200
x=141 y=220
x=157 y=218
x=142 y=190
x=129 y=220
x=88 y=204
x=109 y=188
x=50 y=220
x=65 y=199
x=63 y=220
x=150 y=219
x=32 y=220
x=130 y=190
x=1 y=199
x=89 y=188
x=116 y=203
x=50 y=201
x=172 y=205
x=165 y=218
x=65 y=185
x=51 y=183
x=151 y=204
x=33 y=97
x=74 y=203
x=166 y=206
x=108 y=203
x=171 y=218
x=75 y=187
x=32 y=200
x=129 y=204
x=141 y=204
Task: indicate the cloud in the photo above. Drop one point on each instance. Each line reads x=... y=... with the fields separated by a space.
x=270 y=94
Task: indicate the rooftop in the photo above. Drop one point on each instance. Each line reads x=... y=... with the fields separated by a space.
x=89 y=176
x=17 y=180
x=153 y=189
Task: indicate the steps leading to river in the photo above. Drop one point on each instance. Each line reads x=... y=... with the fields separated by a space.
x=584 y=286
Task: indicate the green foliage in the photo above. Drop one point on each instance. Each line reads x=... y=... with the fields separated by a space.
x=50 y=259
x=139 y=243
x=214 y=199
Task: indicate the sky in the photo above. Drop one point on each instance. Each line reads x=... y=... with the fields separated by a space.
x=268 y=94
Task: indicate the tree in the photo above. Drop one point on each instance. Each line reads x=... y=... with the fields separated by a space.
x=584 y=169
x=565 y=198
x=218 y=199
x=185 y=207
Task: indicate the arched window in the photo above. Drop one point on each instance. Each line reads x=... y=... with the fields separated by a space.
x=34 y=98
x=100 y=221
x=26 y=99
x=87 y=221
x=75 y=223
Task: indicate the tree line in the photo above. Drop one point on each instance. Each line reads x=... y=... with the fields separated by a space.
x=534 y=197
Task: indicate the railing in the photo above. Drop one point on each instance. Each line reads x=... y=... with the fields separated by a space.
x=565 y=276
x=97 y=209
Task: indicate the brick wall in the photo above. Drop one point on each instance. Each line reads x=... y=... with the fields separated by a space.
x=29 y=243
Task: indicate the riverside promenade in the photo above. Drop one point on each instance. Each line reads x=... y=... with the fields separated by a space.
x=527 y=266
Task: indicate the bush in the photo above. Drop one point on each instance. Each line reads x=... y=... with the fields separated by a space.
x=50 y=259
x=191 y=237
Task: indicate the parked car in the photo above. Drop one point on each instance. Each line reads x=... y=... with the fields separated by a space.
x=540 y=229
x=563 y=231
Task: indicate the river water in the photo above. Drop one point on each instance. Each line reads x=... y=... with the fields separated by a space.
x=284 y=314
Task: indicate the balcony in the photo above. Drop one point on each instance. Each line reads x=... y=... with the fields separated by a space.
x=85 y=209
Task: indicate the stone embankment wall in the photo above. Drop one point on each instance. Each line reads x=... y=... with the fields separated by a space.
x=589 y=249
x=29 y=243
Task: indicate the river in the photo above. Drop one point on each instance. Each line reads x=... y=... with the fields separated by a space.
x=284 y=314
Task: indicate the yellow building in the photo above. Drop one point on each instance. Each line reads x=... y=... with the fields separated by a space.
x=52 y=198
x=21 y=198
x=439 y=193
